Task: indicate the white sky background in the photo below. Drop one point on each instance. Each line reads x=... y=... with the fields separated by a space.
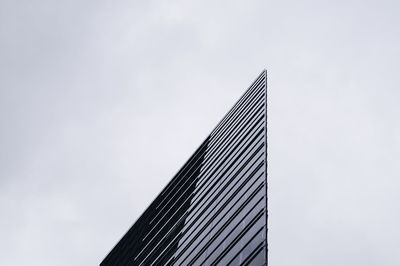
x=101 y=102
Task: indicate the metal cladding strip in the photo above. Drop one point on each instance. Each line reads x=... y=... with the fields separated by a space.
x=253 y=221
x=204 y=172
x=239 y=106
x=199 y=185
x=234 y=146
x=256 y=167
x=266 y=166
x=165 y=224
x=224 y=208
x=234 y=135
x=126 y=246
x=206 y=208
x=205 y=165
x=187 y=218
x=232 y=142
x=252 y=256
x=182 y=172
x=242 y=98
x=217 y=235
x=215 y=188
x=258 y=84
x=192 y=205
x=253 y=241
x=256 y=107
x=218 y=186
x=236 y=240
x=248 y=105
x=155 y=262
x=238 y=112
x=209 y=150
x=225 y=204
x=224 y=166
x=197 y=225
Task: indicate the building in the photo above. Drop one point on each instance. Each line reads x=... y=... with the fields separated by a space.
x=214 y=210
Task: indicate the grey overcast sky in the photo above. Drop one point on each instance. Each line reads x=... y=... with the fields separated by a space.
x=101 y=102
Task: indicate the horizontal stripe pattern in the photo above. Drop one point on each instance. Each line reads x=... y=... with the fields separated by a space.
x=214 y=210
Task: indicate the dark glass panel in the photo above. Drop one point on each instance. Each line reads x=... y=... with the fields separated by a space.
x=248 y=204
x=213 y=209
x=249 y=94
x=255 y=243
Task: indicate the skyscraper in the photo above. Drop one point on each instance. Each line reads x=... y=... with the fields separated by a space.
x=214 y=210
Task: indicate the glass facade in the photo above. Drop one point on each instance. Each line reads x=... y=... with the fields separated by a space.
x=214 y=210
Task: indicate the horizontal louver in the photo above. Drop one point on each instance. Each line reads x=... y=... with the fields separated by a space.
x=214 y=210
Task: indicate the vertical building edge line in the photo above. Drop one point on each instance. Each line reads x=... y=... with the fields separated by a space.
x=266 y=167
